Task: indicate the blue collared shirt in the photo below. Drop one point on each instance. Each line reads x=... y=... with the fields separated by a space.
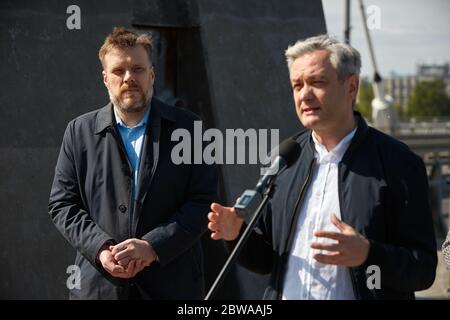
x=132 y=139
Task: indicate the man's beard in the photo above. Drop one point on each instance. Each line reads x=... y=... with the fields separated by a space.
x=136 y=107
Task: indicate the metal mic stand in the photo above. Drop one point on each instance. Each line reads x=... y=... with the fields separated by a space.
x=237 y=249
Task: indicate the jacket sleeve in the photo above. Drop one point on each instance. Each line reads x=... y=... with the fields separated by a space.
x=446 y=249
x=408 y=262
x=66 y=207
x=257 y=254
x=190 y=221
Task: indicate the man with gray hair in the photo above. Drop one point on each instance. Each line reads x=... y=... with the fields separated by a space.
x=350 y=219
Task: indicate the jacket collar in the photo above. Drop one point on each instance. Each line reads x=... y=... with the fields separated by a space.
x=360 y=134
x=105 y=116
x=104 y=119
x=337 y=153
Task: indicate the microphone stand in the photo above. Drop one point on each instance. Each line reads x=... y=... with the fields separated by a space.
x=237 y=249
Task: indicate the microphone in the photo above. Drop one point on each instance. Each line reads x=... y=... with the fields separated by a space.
x=250 y=202
x=288 y=153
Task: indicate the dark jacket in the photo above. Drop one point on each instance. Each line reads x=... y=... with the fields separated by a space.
x=90 y=201
x=383 y=193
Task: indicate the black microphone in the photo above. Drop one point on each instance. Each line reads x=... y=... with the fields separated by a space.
x=288 y=153
x=250 y=204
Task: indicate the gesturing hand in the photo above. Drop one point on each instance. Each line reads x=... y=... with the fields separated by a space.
x=350 y=250
x=224 y=223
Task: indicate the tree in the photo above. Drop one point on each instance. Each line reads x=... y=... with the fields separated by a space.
x=365 y=97
x=398 y=107
x=429 y=99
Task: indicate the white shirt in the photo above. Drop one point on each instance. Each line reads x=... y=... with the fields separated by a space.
x=307 y=279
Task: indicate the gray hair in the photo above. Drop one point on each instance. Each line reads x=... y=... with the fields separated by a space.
x=344 y=58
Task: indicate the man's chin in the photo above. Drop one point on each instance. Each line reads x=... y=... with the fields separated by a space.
x=310 y=122
x=132 y=107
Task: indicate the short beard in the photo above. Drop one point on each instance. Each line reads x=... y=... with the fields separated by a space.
x=134 y=108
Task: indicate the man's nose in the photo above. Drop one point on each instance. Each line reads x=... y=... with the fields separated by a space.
x=306 y=92
x=128 y=77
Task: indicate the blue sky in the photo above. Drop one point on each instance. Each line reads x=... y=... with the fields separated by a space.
x=411 y=32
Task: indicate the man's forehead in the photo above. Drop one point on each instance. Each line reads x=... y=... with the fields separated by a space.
x=131 y=54
x=315 y=63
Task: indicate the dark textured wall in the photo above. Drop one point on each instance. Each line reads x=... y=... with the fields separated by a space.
x=222 y=59
x=49 y=75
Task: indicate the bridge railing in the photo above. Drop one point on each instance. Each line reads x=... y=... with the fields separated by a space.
x=422 y=126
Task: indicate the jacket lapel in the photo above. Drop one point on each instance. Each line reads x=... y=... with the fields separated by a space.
x=148 y=163
x=150 y=153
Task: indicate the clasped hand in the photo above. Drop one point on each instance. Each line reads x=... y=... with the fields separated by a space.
x=128 y=258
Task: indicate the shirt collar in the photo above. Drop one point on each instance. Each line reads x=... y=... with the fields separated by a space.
x=336 y=154
x=143 y=121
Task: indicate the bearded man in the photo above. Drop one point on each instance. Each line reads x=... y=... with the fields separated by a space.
x=134 y=217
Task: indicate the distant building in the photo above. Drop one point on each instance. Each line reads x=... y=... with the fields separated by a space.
x=432 y=72
x=400 y=88
x=435 y=72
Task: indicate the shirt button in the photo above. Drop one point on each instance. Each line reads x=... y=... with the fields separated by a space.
x=123 y=208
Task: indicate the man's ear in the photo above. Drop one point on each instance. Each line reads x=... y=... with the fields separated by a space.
x=105 y=78
x=152 y=74
x=353 y=86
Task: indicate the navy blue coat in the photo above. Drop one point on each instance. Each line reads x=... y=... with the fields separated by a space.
x=90 y=201
x=383 y=193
